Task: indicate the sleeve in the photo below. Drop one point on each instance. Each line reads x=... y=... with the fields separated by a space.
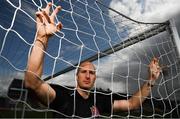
x=118 y=96
x=61 y=96
x=104 y=103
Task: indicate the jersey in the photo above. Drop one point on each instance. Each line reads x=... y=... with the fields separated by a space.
x=70 y=103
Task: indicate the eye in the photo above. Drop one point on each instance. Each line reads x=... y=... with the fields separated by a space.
x=83 y=71
x=92 y=72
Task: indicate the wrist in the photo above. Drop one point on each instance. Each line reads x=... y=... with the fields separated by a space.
x=43 y=41
x=43 y=38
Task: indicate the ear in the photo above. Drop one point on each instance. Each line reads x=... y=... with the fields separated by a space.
x=76 y=77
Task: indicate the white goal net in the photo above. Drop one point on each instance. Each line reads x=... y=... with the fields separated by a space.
x=120 y=47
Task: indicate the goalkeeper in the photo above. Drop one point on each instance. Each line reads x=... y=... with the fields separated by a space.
x=81 y=102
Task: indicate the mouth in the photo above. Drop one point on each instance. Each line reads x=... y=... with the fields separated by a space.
x=86 y=82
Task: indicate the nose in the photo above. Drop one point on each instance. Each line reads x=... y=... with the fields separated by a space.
x=87 y=75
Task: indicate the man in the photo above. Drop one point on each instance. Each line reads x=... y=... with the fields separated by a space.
x=80 y=102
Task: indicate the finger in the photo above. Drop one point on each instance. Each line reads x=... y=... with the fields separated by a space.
x=158 y=73
x=54 y=13
x=59 y=26
x=152 y=62
x=47 y=9
x=46 y=16
x=155 y=60
x=39 y=17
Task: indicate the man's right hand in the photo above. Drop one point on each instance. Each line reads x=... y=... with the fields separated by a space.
x=46 y=27
x=46 y=22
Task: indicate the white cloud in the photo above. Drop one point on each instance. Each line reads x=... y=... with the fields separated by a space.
x=161 y=10
x=147 y=11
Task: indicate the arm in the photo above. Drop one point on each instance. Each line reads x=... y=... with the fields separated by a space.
x=139 y=97
x=45 y=29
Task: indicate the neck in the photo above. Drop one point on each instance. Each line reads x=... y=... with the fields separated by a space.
x=84 y=93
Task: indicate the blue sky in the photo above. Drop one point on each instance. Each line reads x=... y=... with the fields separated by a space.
x=16 y=49
x=16 y=45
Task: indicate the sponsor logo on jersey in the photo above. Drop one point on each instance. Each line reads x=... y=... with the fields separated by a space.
x=94 y=111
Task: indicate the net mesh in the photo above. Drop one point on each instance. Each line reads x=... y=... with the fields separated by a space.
x=120 y=47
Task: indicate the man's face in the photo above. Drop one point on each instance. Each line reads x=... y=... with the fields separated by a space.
x=86 y=76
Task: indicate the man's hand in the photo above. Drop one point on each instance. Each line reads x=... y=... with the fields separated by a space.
x=45 y=22
x=154 y=69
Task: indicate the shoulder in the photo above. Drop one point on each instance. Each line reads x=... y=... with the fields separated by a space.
x=103 y=97
x=110 y=96
x=63 y=95
x=62 y=90
x=56 y=86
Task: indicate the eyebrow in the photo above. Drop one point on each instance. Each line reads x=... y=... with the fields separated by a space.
x=87 y=69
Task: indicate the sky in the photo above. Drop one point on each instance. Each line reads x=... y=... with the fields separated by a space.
x=147 y=10
x=150 y=11
x=16 y=51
